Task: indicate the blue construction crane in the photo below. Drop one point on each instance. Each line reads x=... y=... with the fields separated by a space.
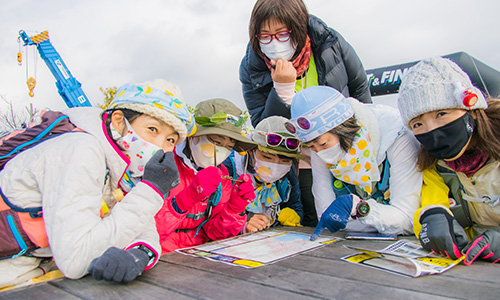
x=69 y=88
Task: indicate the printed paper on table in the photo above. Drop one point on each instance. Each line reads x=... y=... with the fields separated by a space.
x=258 y=249
x=402 y=258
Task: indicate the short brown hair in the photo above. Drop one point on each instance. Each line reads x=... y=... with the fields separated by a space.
x=292 y=13
x=346 y=132
x=485 y=137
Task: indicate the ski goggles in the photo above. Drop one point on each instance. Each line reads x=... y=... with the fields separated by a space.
x=275 y=140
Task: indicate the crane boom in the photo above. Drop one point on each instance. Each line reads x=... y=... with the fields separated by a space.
x=69 y=88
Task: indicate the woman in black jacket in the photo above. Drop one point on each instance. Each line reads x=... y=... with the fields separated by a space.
x=288 y=51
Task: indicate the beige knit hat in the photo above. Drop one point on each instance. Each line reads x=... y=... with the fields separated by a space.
x=434 y=84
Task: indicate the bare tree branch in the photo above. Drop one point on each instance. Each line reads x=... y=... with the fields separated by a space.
x=14 y=119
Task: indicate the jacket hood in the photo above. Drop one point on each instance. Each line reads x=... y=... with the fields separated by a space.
x=383 y=124
x=320 y=34
x=89 y=119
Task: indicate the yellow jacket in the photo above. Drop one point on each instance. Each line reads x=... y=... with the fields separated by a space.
x=434 y=194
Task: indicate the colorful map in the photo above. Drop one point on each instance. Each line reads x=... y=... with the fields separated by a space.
x=258 y=249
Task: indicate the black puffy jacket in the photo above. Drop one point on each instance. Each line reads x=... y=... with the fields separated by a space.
x=337 y=65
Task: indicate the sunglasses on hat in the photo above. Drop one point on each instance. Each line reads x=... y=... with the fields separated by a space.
x=303 y=123
x=275 y=140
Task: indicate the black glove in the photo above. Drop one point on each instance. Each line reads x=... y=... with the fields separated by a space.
x=120 y=266
x=442 y=234
x=161 y=171
x=485 y=246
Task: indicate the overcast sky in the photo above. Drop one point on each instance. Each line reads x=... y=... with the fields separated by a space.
x=198 y=44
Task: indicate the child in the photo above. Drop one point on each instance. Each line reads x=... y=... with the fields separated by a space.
x=459 y=155
x=123 y=150
x=272 y=166
x=363 y=162
x=205 y=206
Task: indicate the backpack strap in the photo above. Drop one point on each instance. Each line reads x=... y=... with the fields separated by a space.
x=185 y=230
x=17 y=236
x=461 y=209
x=35 y=140
x=197 y=216
x=383 y=184
x=34 y=212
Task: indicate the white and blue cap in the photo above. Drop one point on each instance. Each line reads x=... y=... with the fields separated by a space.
x=159 y=99
x=318 y=109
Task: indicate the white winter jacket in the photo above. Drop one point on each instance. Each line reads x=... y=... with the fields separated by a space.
x=68 y=176
x=390 y=139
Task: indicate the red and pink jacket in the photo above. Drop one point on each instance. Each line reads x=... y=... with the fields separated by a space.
x=178 y=230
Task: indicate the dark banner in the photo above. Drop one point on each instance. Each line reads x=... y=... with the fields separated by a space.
x=386 y=80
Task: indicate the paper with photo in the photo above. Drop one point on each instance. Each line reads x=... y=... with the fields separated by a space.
x=403 y=258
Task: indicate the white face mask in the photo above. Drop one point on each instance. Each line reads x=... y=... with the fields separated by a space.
x=276 y=49
x=331 y=155
x=202 y=150
x=138 y=150
x=270 y=172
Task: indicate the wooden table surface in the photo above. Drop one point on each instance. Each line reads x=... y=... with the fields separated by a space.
x=318 y=274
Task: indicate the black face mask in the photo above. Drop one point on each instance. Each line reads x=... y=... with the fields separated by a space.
x=449 y=140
